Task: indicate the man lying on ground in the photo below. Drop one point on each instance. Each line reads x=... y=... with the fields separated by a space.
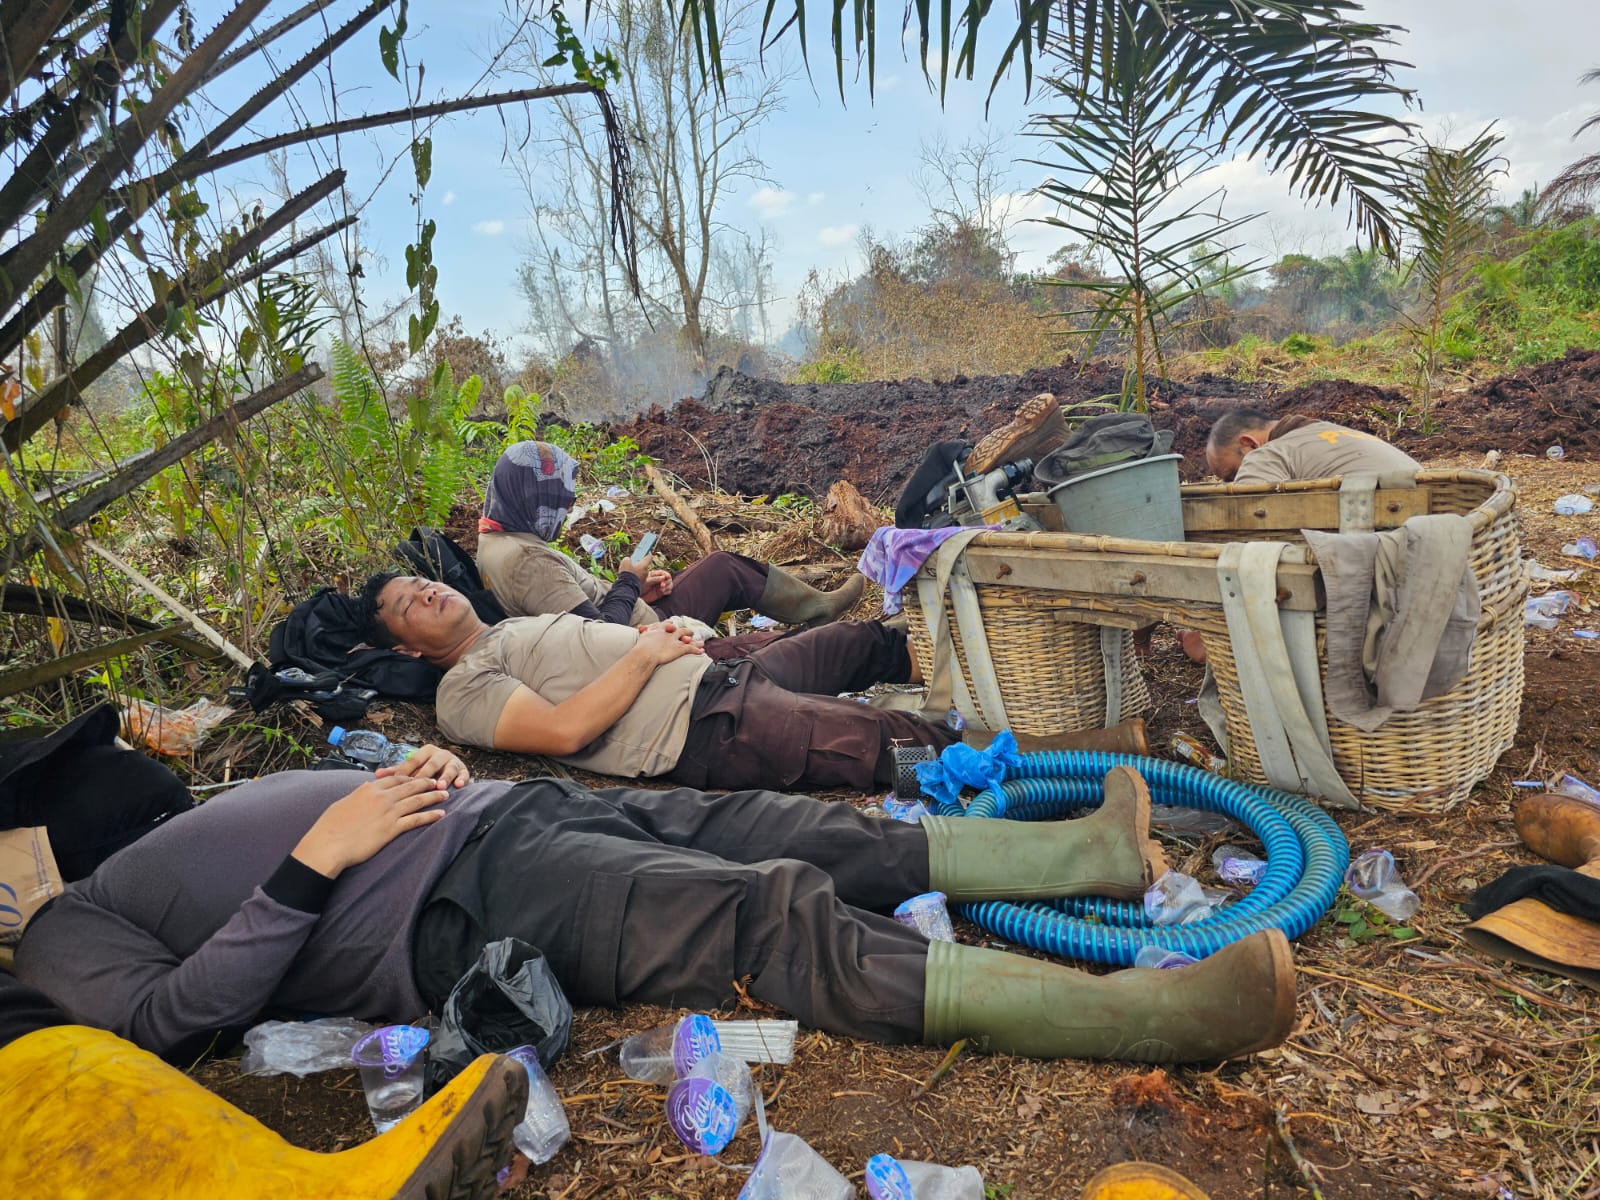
x=1247 y=445
x=350 y=895
x=653 y=701
x=530 y=493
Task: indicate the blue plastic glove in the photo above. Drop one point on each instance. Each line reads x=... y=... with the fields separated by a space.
x=961 y=766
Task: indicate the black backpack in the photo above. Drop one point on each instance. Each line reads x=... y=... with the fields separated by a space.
x=434 y=556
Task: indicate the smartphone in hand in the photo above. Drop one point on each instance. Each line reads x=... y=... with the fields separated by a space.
x=645 y=548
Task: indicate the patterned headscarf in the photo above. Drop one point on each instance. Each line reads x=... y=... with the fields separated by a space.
x=531 y=490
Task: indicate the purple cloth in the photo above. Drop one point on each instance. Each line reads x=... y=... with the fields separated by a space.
x=531 y=491
x=893 y=556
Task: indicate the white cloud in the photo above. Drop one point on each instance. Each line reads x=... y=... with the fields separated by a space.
x=492 y=228
x=836 y=235
x=449 y=199
x=770 y=202
x=815 y=198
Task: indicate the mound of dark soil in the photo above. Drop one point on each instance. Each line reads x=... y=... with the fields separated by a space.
x=756 y=436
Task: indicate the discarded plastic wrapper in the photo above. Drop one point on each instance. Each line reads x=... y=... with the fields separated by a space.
x=1544 y=612
x=1573 y=504
x=1572 y=786
x=592 y=546
x=789 y=1169
x=1582 y=548
x=1537 y=572
x=1238 y=866
x=1178 y=899
x=909 y=811
x=1374 y=878
x=1197 y=822
x=301 y=1048
x=173 y=732
x=762 y=621
x=1160 y=958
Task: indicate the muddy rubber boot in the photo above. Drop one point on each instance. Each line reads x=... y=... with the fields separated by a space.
x=1563 y=829
x=1238 y=1001
x=85 y=1114
x=1037 y=429
x=787 y=599
x=1108 y=853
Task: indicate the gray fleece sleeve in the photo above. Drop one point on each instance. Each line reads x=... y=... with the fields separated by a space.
x=106 y=972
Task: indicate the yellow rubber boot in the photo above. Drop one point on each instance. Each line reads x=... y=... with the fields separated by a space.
x=85 y=1114
x=1140 y=1181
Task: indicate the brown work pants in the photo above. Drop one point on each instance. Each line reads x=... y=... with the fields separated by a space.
x=775 y=719
x=671 y=897
x=718 y=583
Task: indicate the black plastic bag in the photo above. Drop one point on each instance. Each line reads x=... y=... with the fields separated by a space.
x=508 y=998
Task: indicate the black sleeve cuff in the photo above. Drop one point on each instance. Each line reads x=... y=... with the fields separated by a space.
x=296 y=885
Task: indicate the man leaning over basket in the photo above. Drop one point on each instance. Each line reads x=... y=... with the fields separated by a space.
x=1247 y=445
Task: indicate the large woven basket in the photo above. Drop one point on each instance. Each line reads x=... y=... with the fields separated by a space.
x=1047 y=660
x=1036 y=590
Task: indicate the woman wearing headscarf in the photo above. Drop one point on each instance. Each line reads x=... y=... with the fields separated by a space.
x=532 y=489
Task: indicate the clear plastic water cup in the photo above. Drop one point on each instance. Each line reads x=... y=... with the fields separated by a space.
x=707 y=1106
x=391 y=1062
x=789 y=1169
x=928 y=915
x=1373 y=877
x=890 y=1178
x=666 y=1052
x=543 y=1129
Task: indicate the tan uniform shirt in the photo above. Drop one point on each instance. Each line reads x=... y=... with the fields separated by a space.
x=556 y=656
x=1320 y=450
x=530 y=578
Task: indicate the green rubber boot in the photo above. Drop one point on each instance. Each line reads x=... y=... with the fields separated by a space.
x=1108 y=853
x=1239 y=1000
x=795 y=602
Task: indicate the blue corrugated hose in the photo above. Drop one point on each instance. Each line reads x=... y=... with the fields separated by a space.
x=1306 y=859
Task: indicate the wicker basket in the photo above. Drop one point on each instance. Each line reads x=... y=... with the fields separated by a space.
x=1048 y=662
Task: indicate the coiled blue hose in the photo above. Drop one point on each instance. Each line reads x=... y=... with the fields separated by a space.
x=1306 y=859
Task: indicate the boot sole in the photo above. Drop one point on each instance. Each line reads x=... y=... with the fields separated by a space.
x=992 y=450
x=1281 y=969
x=469 y=1152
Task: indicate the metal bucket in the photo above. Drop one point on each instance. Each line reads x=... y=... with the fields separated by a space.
x=1138 y=499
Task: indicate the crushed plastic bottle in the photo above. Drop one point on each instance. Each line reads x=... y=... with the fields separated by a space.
x=1575 y=787
x=909 y=811
x=1189 y=749
x=369 y=747
x=667 y=1052
x=706 y=1107
x=1582 y=548
x=789 y=1169
x=1237 y=866
x=1162 y=959
x=890 y=1178
x=1374 y=878
x=1544 y=612
x=1573 y=504
x=1178 y=899
x=928 y=915
x=543 y=1129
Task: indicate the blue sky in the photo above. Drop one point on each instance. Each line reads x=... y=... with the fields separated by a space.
x=834 y=168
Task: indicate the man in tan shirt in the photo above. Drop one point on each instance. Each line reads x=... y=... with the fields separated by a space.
x=1247 y=445
x=651 y=700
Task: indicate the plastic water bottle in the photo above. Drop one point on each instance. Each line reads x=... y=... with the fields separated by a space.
x=890 y=1178
x=789 y=1169
x=667 y=1052
x=369 y=747
x=1162 y=959
x=544 y=1128
x=1374 y=878
x=706 y=1107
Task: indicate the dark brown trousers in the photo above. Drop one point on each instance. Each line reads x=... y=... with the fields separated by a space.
x=670 y=897
x=716 y=584
x=774 y=719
